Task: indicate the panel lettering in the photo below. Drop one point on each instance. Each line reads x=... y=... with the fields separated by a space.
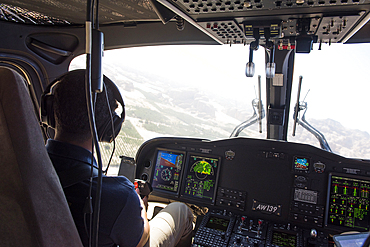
x=266 y=208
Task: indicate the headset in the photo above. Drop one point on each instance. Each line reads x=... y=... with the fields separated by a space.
x=105 y=131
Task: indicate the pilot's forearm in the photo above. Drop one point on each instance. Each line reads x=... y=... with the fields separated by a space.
x=145 y=236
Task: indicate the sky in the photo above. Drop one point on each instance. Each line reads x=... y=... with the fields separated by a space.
x=339 y=83
x=335 y=76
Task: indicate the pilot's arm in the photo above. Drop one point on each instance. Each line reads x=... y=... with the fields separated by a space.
x=145 y=235
x=131 y=226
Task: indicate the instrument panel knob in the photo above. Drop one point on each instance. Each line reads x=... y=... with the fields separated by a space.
x=313 y=233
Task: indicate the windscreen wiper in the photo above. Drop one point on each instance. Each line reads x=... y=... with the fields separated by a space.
x=257 y=116
x=303 y=122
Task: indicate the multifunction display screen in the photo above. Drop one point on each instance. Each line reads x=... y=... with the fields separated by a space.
x=287 y=239
x=217 y=223
x=348 y=201
x=201 y=177
x=168 y=168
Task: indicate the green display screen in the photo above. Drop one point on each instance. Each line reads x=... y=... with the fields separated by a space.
x=348 y=202
x=201 y=176
x=217 y=223
x=286 y=239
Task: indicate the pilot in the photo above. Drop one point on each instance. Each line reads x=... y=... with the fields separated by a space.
x=123 y=218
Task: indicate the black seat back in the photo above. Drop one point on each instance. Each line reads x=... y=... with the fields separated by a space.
x=33 y=208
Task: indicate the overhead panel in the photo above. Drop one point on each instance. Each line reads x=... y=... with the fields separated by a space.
x=198 y=7
x=328 y=21
x=335 y=28
x=232 y=21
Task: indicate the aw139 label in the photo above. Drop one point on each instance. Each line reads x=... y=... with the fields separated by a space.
x=266 y=208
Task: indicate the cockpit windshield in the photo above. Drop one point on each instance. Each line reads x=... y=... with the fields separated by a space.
x=202 y=92
x=334 y=80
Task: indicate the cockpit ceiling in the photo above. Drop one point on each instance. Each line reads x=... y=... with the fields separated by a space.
x=111 y=11
x=226 y=21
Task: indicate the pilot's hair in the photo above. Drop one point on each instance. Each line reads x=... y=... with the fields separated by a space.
x=70 y=106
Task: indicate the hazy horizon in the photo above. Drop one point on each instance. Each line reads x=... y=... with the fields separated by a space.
x=218 y=85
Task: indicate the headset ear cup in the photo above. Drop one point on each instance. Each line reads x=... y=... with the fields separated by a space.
x=103 y=136
x=118 y=125
x=47 y=110
x=105 y=132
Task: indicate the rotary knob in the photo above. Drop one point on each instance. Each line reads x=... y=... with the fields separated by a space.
x=313 y=233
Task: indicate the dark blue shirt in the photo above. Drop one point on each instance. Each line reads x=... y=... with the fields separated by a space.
x=120 y=211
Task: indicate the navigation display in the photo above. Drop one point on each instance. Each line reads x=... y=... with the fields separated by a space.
x=201 y=177
x=348 y=201
x=167 y=172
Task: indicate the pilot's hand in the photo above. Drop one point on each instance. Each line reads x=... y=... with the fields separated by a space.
x=143 y=199
x=144 y=187
x=146 y=202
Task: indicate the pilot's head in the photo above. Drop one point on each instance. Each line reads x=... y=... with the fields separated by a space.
x=70 y=109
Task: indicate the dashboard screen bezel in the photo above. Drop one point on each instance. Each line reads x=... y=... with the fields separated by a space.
x=185 y=172
x=346 y=175
x=164 y=191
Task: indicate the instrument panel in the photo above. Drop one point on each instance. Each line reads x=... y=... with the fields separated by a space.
x=267 y=191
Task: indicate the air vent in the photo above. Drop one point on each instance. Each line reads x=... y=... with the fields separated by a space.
x=144 y=177
x=148 y=163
